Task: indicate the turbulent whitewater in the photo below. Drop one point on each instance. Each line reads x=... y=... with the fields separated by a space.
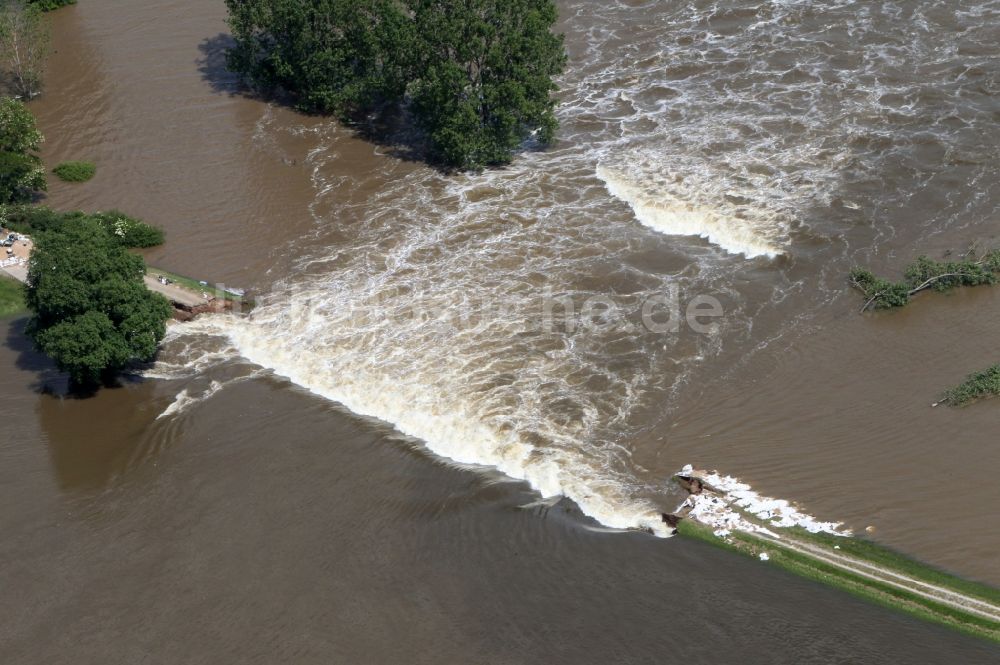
x=666 y=213
x=737 y=152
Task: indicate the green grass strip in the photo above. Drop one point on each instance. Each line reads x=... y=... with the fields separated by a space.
x=871 y=552
x=11 y=297
x=193 y=284
x=875 y=591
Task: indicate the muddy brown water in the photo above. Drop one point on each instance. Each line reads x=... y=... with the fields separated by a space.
x=226 y=513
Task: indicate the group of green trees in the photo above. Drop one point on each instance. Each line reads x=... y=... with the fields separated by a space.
x=476 y=75
x=91 y=311
x=128 y=232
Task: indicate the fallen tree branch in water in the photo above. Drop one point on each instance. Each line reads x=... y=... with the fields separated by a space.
x=923 y=274
x=975 y=387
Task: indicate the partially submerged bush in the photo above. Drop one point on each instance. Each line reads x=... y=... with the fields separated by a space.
x=75 y=171
x=925 y=273
x=127 y=231
x=945 y=276
x=886 y=294
x=976 y=386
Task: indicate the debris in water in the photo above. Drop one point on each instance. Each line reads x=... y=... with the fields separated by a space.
x=725 y=504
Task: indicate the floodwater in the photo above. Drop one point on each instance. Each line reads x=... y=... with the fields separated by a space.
x=368 y=469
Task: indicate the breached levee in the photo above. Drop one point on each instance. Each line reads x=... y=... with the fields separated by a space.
x=454 y=433
x=719 y=509
x=670 y=215
x=728 y=513
x=726 y=505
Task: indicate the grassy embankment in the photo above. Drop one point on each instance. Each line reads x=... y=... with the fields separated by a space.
x=195 y=285
x=132 y=233
x=900 y=579
x=11 y=297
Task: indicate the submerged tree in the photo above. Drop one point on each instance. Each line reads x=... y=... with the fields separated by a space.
x=477 y=75
x=924 y=274
x=91 y=311
x=24 y=44
x=21 y=172
x=335 y=56
x=976 y=386
x=484 y=81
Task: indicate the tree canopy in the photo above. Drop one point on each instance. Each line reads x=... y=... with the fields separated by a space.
x=127 y=231
x=91 y=311
x=49 y=5
x=476 y=75
x=24 y=45
x=484 y=79
x=21 y=173
x=336 y=56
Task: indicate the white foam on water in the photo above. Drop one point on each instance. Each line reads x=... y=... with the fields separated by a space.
x=447 y=427
x=181 y=402
x=667 y=214
x=189 y=357
x=189 y=397
x=726 y=511
x=704 y=124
